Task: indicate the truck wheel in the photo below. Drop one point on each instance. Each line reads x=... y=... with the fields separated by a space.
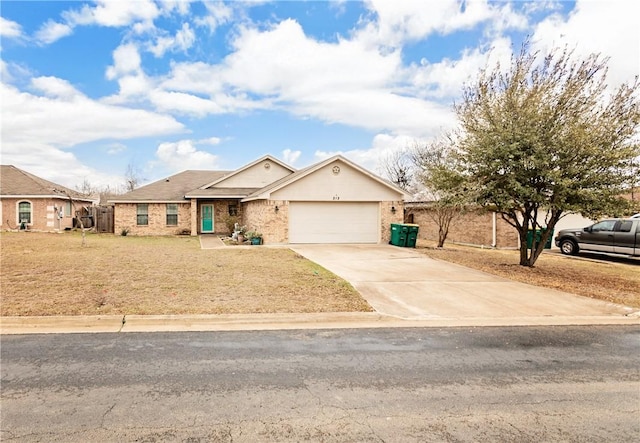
x=568 y=247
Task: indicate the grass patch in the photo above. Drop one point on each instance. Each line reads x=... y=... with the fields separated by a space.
x=612 y=282
x=52 y=274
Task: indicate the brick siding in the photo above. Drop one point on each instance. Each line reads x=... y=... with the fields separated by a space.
x=125 y=217
x=387 y=216
x=474 y=228
x=43 y=214
x=261 y=215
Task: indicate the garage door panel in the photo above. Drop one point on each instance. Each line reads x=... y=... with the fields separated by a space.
x=333 y=222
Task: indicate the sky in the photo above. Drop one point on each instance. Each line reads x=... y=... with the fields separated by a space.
x=90 y=89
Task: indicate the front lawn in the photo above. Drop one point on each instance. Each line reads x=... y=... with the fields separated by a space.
x=52 y=274
x=613 y=282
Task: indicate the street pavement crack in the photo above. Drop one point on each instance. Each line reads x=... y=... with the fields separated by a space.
x=104 y=416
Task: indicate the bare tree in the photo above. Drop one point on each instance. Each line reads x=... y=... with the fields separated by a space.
x=443 y=184
x=75 y=211
x=86 y=187
x=398 y=168
x=132 y=177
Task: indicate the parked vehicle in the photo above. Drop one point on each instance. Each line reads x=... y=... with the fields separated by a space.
x=617 y=236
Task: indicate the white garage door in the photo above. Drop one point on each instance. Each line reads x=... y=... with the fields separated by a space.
x=333 y=222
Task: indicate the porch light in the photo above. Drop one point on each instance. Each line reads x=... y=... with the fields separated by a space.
x=277 y=209
x=393 y=209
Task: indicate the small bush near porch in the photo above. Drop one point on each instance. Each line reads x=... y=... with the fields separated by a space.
x=52 y=274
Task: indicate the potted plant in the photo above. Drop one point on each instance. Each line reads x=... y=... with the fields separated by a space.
x=240 y=233
x=254 y=237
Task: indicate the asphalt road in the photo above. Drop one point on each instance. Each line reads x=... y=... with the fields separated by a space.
x=393 y=385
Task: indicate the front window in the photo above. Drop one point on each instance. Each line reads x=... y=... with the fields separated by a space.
x=24 y=212
x=143 y=214
x=172 y=214
x=606 y=225
x=67 y=209
x=233 y=210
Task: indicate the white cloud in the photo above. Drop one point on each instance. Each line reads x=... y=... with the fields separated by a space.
x=183 y=40
x=127 y=70
x=114 y=13
x=281 y=68
x=182 y=7
x=410 y=20
x=181 y=155
x=381 y=147
x=181 y=103
x=116 y=148
x=209 y=141
x=55 y=164
x=55 y=87
x=447 y=77
x=290 y=157
x=64 y=117
x=51 y=31
x=126 y=60
x=218 y=14
x=10 y=29
x=607 y=27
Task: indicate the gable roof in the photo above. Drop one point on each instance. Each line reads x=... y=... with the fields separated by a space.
x=171 y=189
x=265 y=192
x=245 y=167
x=15 y=182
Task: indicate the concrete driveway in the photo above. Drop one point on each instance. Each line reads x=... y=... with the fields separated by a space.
x=403 y=283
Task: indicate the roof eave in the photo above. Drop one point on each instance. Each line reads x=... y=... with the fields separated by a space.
x=56 y=196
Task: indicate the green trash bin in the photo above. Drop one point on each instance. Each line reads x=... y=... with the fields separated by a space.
x=398 y=235
x=547 y=245
x=412 y=235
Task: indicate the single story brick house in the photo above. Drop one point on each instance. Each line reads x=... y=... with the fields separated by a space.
x=478 y=227
x=30 y=202
x=333 y=201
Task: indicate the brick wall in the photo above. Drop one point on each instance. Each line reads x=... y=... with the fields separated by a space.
x=387 y=216
x=261 y=215
x=125 y=217
x=475 y=228
x=43 y=214
x=220 y=215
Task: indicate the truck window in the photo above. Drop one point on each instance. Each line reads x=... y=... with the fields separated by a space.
x=606 y=225
x=625 y=226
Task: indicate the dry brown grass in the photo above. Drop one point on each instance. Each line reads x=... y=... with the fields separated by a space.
x=611 y=281
x=52 y=274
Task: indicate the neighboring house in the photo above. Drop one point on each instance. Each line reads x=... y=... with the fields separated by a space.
x=479 y=227
x=31 y=202
x=333 y=201
x=474 y=227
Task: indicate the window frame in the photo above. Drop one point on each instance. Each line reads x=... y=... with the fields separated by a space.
x=142 y=216
x=19 y=212
x=172 y=214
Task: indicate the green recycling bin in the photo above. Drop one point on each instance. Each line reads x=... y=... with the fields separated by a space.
x=398 y=235
x=547 y=245
x=412 y=235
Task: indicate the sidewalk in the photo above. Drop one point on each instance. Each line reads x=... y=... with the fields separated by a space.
x=268 y=322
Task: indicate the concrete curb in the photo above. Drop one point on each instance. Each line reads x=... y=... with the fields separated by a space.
x=265 y=322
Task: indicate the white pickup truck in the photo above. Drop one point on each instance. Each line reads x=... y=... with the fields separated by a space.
x=614 y=236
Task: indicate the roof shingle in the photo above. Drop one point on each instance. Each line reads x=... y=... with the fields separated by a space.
x=16 y=182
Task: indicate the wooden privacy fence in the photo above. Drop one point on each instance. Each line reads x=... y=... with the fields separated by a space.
x=102 y=218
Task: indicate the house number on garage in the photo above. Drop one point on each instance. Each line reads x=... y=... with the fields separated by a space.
x=336 y=197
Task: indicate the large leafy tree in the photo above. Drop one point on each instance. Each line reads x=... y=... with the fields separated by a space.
x=546 y=137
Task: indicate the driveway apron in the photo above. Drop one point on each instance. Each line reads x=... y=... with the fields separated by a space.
x=403 y=283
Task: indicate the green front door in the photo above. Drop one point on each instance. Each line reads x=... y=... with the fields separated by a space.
x=207 y=218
